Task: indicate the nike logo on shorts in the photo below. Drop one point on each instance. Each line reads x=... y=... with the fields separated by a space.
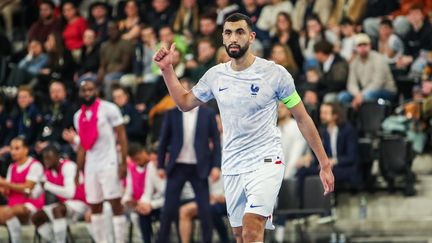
x=222 y=89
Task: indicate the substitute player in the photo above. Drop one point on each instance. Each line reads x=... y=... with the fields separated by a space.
x=247 y=90
x=98 y=124
x=51 y=221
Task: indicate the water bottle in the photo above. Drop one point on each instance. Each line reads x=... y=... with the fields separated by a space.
x=363 y=208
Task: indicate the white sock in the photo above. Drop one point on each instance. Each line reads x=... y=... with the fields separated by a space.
x=279 y=233
x=46 y=232
x=14 y=227
x=60 y=230
x=99 y=233
x=119 y=223
x=135 y=221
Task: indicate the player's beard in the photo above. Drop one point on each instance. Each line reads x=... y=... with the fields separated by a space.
x=88 y=102
x=238 y=54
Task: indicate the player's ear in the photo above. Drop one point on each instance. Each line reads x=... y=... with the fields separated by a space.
x=252 y=36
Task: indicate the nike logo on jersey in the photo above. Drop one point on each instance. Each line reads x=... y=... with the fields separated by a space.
x=222 y=89
x=255 y=206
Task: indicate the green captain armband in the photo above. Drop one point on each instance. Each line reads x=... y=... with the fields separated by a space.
x=292 y=100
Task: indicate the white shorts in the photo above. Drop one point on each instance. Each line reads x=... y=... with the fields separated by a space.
x=102 y=185
x=31 y=208
x=254 y=192
x=75 y=210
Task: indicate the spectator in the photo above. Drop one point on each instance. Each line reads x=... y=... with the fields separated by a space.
x=132 y=119
x=23 y=176
x=89 y=60
x=282 y=55
x=187 y=19
x=268 y=18
x=167 y=37
x=189 y=211
x=388 y=43
x=250 y=9
x=98 y=21
x=333 y=72
x=129 y=27
x=46 y=24
x=160 y=14
x=144 y=190
x=61 y=65
x=58 y=116
x=27 y=119
x=115 y=59
x=191 y=159
x=143 y=56
x=74 y=30
x=225 y=8
x=353 y=10
x=420 y=35
x=29 y=67
x=305 y=8
x=315 y=32
x=222 y=55
x=52 y=221
x=206 y=52
x=285 y=34
x=209 y=28
x=7 y=9
x=347 y=43
x=369 y=77
x=340 y=143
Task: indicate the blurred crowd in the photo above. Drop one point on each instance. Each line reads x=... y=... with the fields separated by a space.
x=341 y=54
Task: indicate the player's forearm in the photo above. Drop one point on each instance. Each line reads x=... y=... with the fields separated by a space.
x=176 y=90
x=80 y=158
x=67 y=191
x=310 y=133
x=20 y=187
x=123 y=144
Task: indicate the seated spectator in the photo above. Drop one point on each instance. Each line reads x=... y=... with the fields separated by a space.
x=333 y=74
x=51 y=222
x=129 y=27
x=186 y=21
x=340 y=143
x=420 y=35
x=131 y=118
x=29 y=67
x=115 y=59
x=282 y=55
x=89 y=60
x=285 y=34
x=251 y=9
x=348 y=32
x=167 y=37
x=143 y=55
x=23 y=178
x=58 y=116
x=209 y=29
x=74 y=30
x=46 y=24
x=388 y=43
x=305 y=8
x=195 y=68
x=60 y=66
x=268 y=17
x=189 y=211
x=27 y=119
x=98 y=21
x=144 y=189
x=225 y=8
x=315 y=31
x=160 y=14
x=369 y=76
x=7 y=9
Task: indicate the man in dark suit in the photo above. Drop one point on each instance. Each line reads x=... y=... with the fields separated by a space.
x=193 y=143
x=340 y=143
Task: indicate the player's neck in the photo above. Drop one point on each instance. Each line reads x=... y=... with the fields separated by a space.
x=22 y=160
x=243 y=62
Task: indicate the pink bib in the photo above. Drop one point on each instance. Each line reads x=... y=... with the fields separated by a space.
x=138 y=181
x=88 y=130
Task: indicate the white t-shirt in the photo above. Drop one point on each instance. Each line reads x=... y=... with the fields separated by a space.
x=35 y=174
x=103 y=155
x=248 y=103
x=187 y=153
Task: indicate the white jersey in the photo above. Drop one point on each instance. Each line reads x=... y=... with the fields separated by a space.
x=103 y=155
x=247 y=101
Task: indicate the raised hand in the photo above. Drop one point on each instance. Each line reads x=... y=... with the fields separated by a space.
x=163 y=57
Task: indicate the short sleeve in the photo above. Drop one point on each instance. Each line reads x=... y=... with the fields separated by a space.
x=202 y=90
x=286 y=91
x=114 y=115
